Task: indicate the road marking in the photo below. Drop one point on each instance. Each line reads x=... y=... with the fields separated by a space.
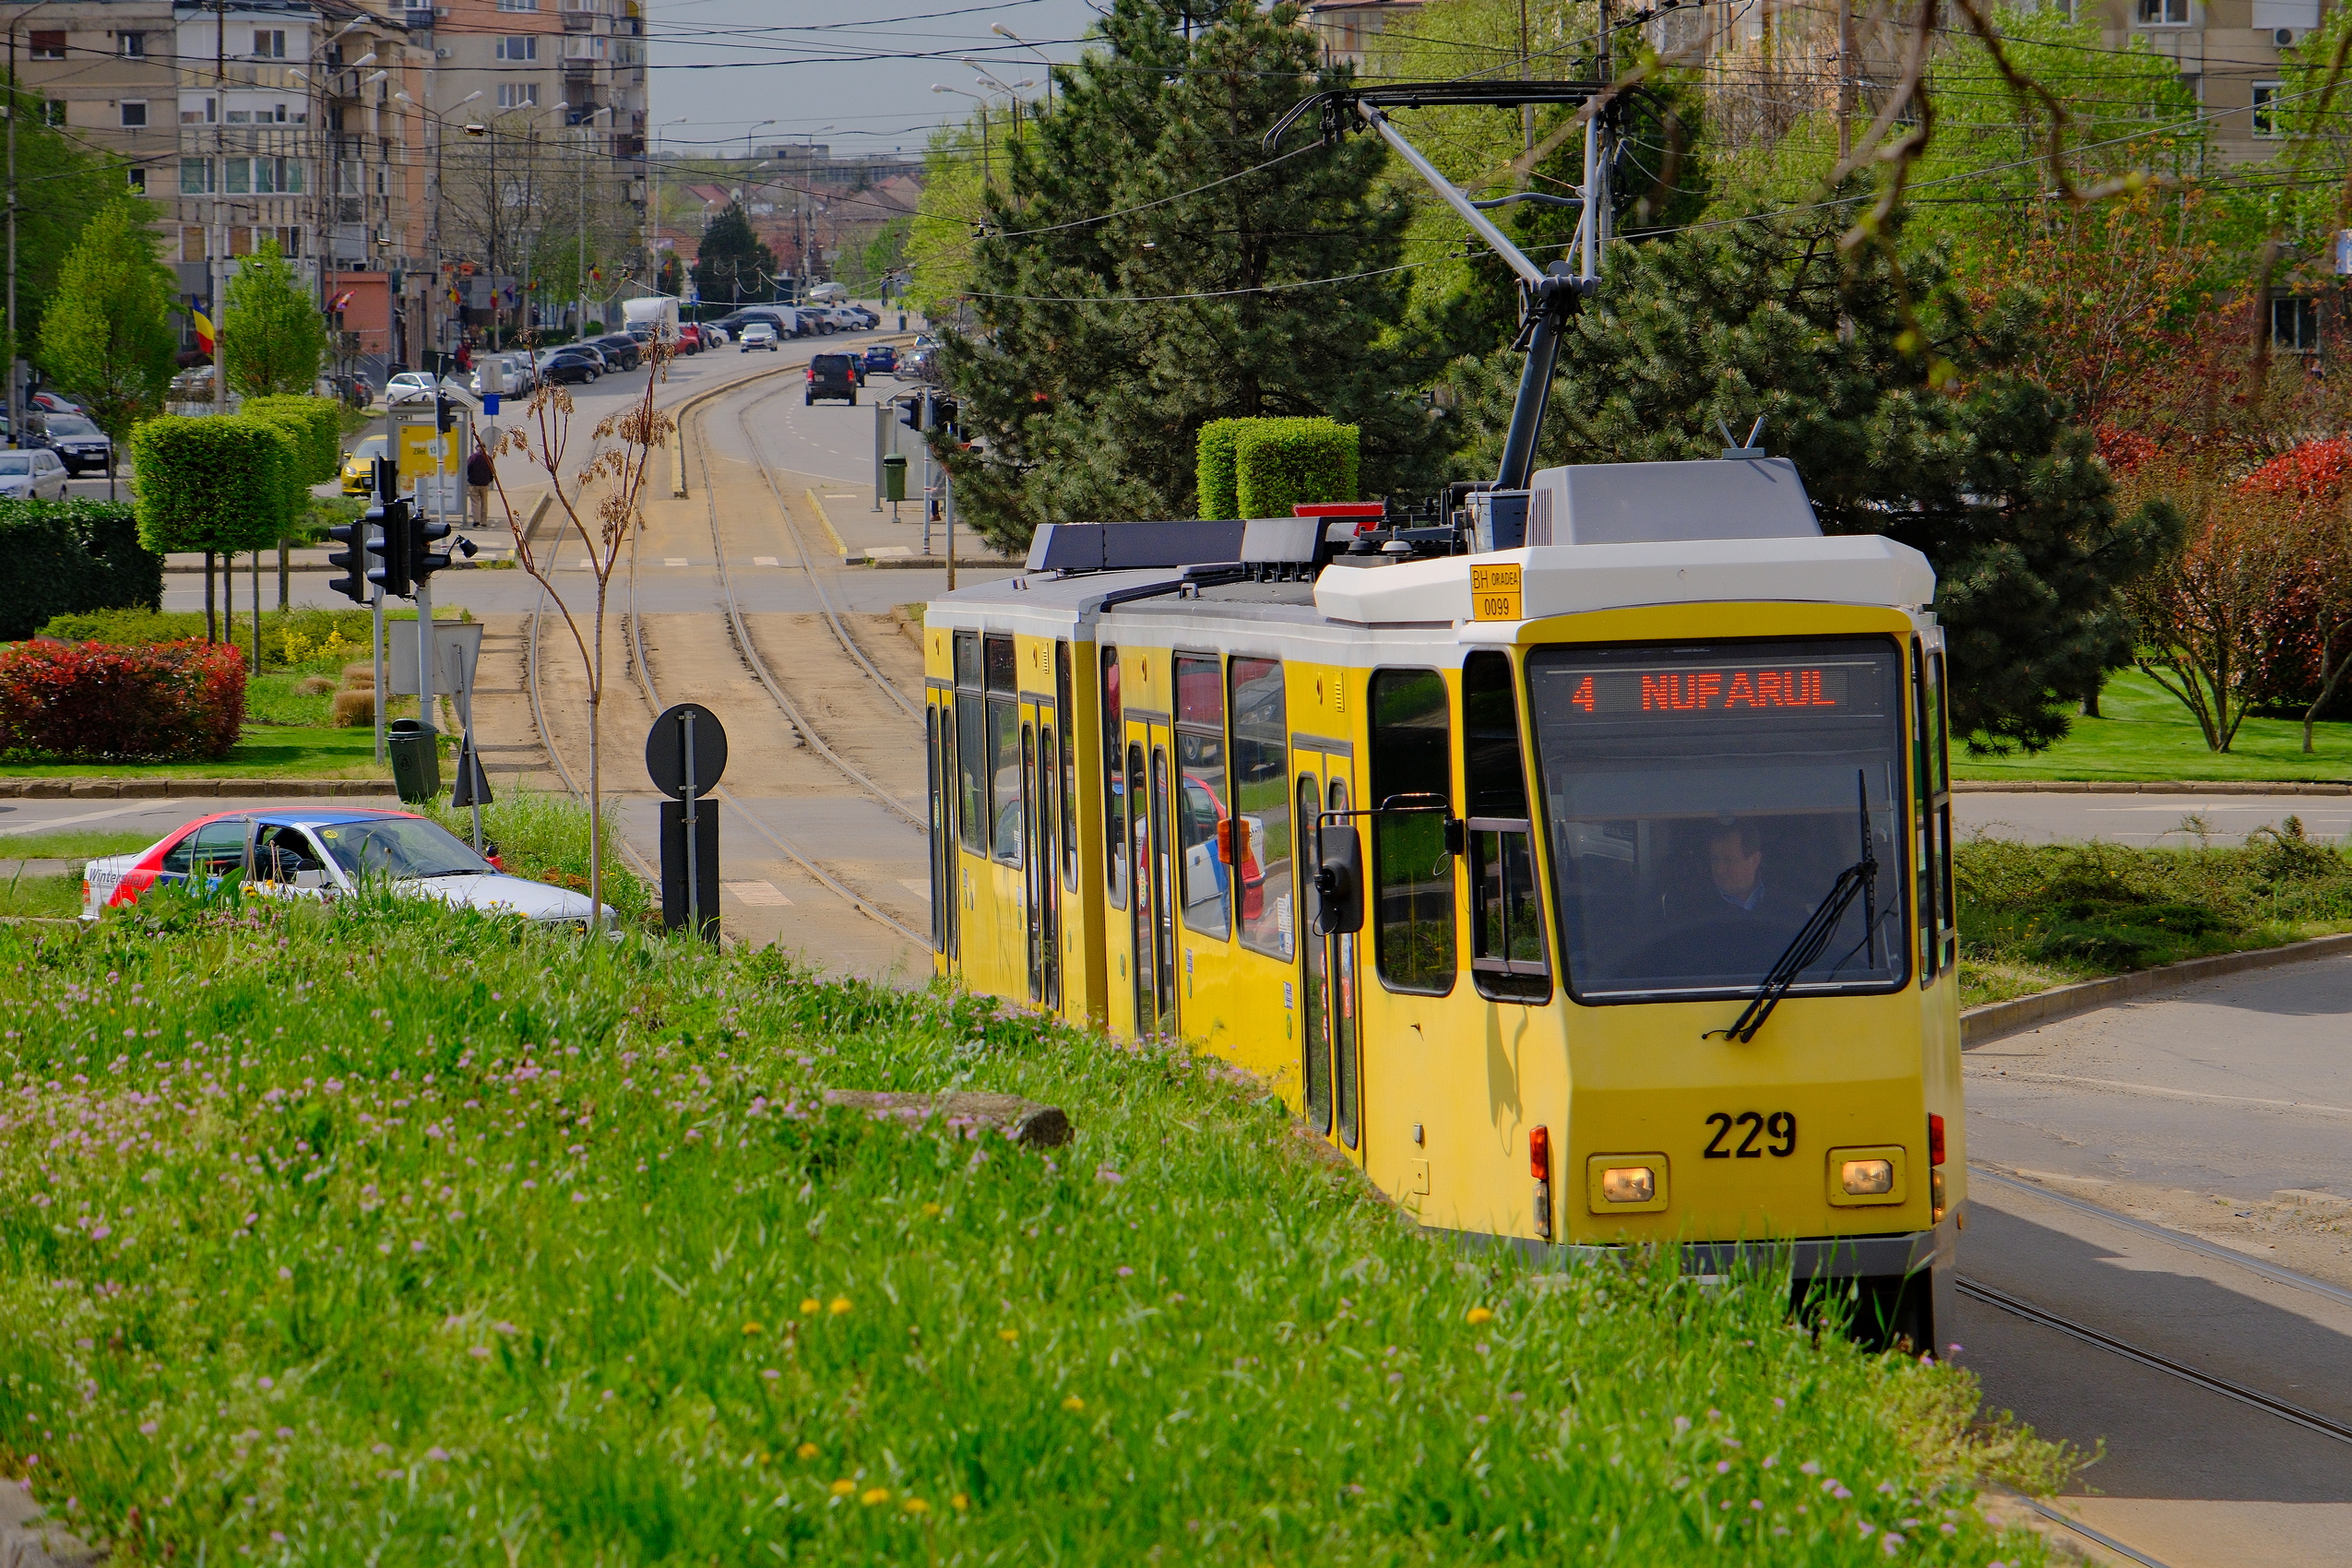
x=50 y=824
x=919 y=889
x=2164 y=1093
x=764 y=560
x=765 y=894
x=673 y=560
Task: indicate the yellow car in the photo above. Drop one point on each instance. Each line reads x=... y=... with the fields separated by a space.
x=359 y=466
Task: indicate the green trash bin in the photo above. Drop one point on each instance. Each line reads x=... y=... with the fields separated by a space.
x=894 y=476
x=416 y=759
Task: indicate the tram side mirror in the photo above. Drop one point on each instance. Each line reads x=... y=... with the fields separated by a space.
x=1233 y=841
x=1339 y=884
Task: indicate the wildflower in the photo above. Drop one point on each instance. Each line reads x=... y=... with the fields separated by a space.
x=1124 y=1271
x=874 y=1494
x=439 y=1454
x=1681 y=1425
x=751 y=1328
x=1073 y=1404
x=266 y=1383
x=931 y=1209
x=809 y=1306
x=806 y=1450
x=1480 y=1315
x=285 y=1274
x=916 y=1506
x=479 y=1352
x=147 y=1429
x=770 y=1373
x=960 y=1503
x=841 y=1305
x=1723 y=1466
x=1810 y=1467
x=416 y=1246
x=843 y=1489
x=1008 y=1336
x=1890 y=1543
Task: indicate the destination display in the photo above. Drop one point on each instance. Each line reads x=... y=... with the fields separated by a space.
x=1667 y=689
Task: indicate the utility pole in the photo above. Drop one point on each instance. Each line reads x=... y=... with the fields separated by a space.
x=1845 y=79
x=1527 y=111
x=14 y=94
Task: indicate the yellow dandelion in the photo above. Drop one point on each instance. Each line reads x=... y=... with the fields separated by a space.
x=1480 y=1315
x=916 y=1506
x=1074 y=1403
x=873 y=1496
x=841 y=1305
x=1007 y=1335
x=806 y=1450
x=811 y=1306
x=931 y=1209
x=843 y=1489
x=751 y=1328
x=960 y=1503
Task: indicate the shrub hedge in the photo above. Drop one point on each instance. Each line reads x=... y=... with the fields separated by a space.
x=302 y=633
x=1280 y=463
x=61 y=557
x=1213 y=468
x=217 y=482
x=314 y=425
x=66 y=702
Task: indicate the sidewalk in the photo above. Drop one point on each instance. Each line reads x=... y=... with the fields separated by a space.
x=861 y=535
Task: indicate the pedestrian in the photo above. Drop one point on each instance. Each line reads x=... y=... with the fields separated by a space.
x=480 y=473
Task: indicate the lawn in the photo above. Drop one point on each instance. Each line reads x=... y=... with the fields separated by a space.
x=2034 y=916
x=2144 y=733
x=22 y=893
x=385 y=1233
x=73 y=844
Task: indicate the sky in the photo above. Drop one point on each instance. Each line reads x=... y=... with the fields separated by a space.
x=864 y=69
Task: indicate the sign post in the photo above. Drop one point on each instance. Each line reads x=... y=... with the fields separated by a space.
x=685 y=753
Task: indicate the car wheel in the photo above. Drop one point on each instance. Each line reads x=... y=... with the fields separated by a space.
x=853 y=398
x=809 y=400
x=591 y=376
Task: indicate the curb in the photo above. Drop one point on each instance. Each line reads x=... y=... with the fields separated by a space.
x=2174 y=786
x=825 y=519
x=65 y=787
x=29 y=1540
x=1996 y=1019
x=922 y=563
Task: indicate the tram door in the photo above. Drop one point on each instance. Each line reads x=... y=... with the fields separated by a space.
x=1150 y=788
x=1040 y=812
x=1332 y=1064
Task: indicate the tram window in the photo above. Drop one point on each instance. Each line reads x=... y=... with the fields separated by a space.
x=932 y=758
x=1506 y=922
x=1946 y=922
x=1114 y=785
x=1341 y=1000
x=1064 y=724
x=997 y=654
x=971 y=751
x=1004 y=778
x=1412 y=755
x=1702 y=801
x=1316 y=1041
x=1204 y=803
x=1923 y=816
x=1262 y=798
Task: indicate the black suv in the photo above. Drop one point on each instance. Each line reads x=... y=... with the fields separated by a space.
x=833 y=375
x=620 y=349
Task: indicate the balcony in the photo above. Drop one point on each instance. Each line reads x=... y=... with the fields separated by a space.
x=580 y=70
x=579 y=22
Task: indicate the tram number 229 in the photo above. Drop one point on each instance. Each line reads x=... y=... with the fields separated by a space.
x=1780 y=1127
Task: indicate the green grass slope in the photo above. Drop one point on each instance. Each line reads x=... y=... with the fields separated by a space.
x=2143 y=734
x=386 y=1233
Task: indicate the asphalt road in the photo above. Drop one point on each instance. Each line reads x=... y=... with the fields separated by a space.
x=2177 y=820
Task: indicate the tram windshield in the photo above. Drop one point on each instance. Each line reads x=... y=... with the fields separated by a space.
x=1702 y=801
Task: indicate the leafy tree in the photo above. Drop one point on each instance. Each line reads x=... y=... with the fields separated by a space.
x=1905 y=413
x=1141 y=275
x=733 y=266
x=59 y=185
x=272 y=334
x=106 y=336
x=216 y=484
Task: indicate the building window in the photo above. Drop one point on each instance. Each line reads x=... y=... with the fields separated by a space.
x=49 y=45
x=51 y=113
x=518 y=46
x=518 y=4
x=195 y=176
x=236 y=176
x=2295 y=326
x=133 y=45
x=2164 y=12
x=2267 y=116
x=268 y=44
x=138 y=180
x=518 y=95
x=240 y=116
x=585 y=46
x=134 y=113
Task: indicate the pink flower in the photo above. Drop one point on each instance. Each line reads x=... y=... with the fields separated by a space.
x=440 y=1453
x=479 y=1352
x=147 y=1429
x=416 y=1246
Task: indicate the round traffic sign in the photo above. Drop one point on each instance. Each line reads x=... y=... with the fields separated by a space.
x=665 y=749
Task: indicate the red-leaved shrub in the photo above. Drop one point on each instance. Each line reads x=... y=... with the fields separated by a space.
x=91 y=702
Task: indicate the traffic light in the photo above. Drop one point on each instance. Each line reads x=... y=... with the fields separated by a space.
x=445 y=413
x=910 y=412
x=423 y=560
x=394 y=544
x=944 y=417
x=351 y=561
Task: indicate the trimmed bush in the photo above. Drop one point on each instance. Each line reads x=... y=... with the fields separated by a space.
x=1280 y=464
x=293 y=636
x=314 y=425
x=61 y=557
x=66 y=702
x=217 y=482
x=1213 y=470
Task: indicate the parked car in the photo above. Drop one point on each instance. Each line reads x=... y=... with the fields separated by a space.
x=758 y=334
x=573 y=362
x=79 y=444
x=832 y=376
x=323 y=853
x=715 y=336
x=881 y=357
x=33 y=474
x=359 y=466
x=690 y=339
x=619 y=351
x=410 y=386
x=51 y=403
x=514 y=369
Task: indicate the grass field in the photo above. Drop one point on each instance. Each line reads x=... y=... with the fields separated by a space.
x=2032 y=916
x=74 y=844
x=23 y=894
x=2143 y=734
x=386 y=1233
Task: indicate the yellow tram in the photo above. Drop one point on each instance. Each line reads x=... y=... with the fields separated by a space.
x=1489 y=861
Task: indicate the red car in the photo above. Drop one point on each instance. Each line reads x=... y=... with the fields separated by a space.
x=690 y=339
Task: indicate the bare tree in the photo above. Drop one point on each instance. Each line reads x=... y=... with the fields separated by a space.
x=599 y=502
x=2206 y=618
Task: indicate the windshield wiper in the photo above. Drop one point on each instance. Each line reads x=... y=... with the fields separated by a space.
x=1860 y=879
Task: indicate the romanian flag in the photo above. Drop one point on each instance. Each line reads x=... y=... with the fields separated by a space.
x=204 y=330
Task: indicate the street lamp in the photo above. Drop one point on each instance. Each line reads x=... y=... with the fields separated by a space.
x=1001 y=31
x=440 y=121
x=983 y=102
x=653 y=207
x=587 y=123
x=750 y=134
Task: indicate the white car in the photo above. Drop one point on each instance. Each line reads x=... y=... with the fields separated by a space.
x=409 y=386
x=758 y=334
x=714 y=335
x=516 y=372
x=324 y=854
x=34 y=475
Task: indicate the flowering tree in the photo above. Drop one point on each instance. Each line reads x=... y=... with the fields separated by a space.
x=2306 y=490
x=599 y=502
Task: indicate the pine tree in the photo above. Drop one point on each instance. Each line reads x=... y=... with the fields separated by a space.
x=107 y=336
x=1135 y=282
x=732 y=265
x=272 y=335
x=1916 y=424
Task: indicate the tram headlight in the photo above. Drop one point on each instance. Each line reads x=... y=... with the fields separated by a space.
x=1865 y=1178
x=1629 y=1184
